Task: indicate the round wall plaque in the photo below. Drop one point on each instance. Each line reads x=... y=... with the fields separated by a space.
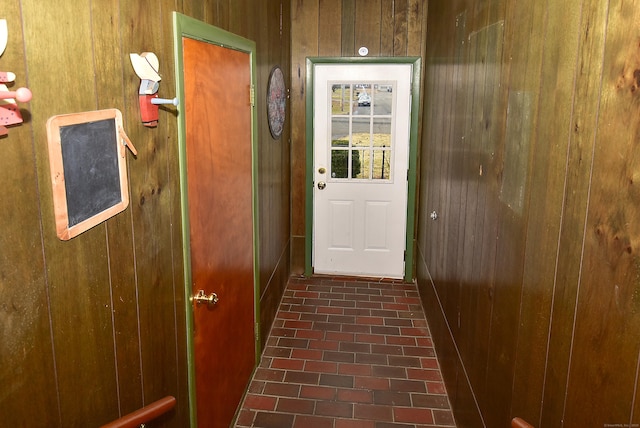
x=276 y=102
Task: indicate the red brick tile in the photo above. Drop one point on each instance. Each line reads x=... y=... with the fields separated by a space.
x=287 y=364
x=342 y=319
x=413 y=331
x=368 y=305
x=271 y=351
x=355 y=347
x=436 y=388
x=425 y=342
x=307 y=354
x=354 y=423
x=283 y=332
x=314 y=317
x=429 y=363
x=260 y=402
x=287 y=342
x=391 y=331
x=430 y=400
x=385 y=349
x=408 y=300
x=389 y=372
x=295 y=405
x=370 y=338
x=269 y=374
x=354 y=369
x=424 y=374
x=411 y=415
x=327 y=326
x=306 y=421
x=309 y=334
x=358 y=312
x=245 y=418
x=342 y=381
x=286 y=315
x=334 y=408
x=395 y=306
x=355 y=395
x=357 y=328
x=330 y=310
x=372 y=383
x=321 y=366
x=408 y=385
x=419 y=351
x=302 y=377
x=340 y=336
x=397 y=322
x=327 y=345
x=401 y=340
x=282 y=389
x=392 y=398
x=318 y=392
x=339 y=357
x=443 y=418
x=379 y=359
x=306 y=294
x=401 y=361
x=297 y=324
x=373 y=412
x=273 y=420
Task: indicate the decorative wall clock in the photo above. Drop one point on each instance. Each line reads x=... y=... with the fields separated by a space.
x=276 y=102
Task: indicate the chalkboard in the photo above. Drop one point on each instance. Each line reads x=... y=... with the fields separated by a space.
x=88 y=169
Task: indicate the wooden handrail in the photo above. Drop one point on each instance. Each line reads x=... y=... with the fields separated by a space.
x=144 y=414
x=520 y=423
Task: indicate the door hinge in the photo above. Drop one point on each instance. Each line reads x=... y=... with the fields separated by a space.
x=256 y=331
x=252 y=96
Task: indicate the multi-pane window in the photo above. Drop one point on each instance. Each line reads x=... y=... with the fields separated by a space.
x=361 y=119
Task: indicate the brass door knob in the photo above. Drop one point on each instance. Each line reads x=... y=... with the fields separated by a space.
x=322 y=185
x=202 y=298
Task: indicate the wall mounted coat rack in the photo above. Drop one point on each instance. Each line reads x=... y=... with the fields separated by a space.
x=146 y=66
x=9 y=111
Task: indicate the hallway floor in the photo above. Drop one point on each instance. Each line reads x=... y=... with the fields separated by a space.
x=347 y=353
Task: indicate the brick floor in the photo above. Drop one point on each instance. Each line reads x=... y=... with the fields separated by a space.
x=347 y=353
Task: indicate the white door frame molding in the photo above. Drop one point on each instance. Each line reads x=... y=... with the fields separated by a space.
x=415 y=62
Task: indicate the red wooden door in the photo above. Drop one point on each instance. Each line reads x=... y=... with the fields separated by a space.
x=217 y=84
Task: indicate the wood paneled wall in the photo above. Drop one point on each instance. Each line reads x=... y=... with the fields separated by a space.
x=94 y=328
x=338 y=28
x=531 y=273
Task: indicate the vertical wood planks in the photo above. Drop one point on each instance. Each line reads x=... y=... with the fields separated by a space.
x=111 y=61
x=607 y=322
x=27 y=372
x=77 y=271
x=329 y=30
x=367 y=26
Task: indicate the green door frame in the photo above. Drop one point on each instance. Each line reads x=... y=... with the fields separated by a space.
x=184 y=26
x=413 y=152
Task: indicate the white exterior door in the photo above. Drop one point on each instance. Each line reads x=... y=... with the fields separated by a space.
x=361 y=153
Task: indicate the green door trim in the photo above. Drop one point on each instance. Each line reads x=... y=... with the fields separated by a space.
x=415 y=62
x=184 y=26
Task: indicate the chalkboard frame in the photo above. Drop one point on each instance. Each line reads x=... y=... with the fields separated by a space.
x=65 y=228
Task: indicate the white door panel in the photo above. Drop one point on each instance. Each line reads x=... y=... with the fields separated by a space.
x=361 y=149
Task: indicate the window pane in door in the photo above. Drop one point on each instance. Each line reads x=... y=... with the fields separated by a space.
x=339 y=163
x=340 y=99
x=382 y=132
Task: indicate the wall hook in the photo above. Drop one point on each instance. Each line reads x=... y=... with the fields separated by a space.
x=9 y=111
x=146 y=66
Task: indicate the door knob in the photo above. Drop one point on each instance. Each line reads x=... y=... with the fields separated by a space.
x=202 y=298
x=322 y=185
